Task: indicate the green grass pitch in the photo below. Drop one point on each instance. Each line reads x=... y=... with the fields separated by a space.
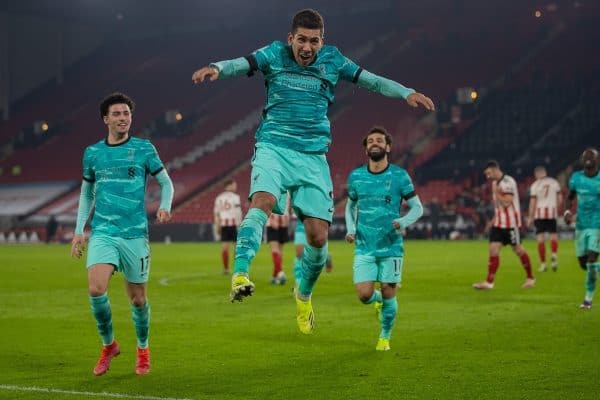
x=449 y=341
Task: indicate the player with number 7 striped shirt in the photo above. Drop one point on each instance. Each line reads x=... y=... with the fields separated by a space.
x=545 y=198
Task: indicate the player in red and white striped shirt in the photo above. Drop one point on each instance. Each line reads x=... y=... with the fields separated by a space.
x=505 y=225
x=544 y=202
x=277 y=236
x=228 y=216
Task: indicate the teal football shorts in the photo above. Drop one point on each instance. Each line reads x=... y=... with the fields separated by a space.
x=131 y=257
x=377 y=269
x=587 y=240
x=277 y=170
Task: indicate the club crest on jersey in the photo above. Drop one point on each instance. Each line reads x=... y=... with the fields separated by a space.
x=388 y=184
x=130 y=154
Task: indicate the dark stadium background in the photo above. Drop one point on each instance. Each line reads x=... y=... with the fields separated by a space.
x=516 y=81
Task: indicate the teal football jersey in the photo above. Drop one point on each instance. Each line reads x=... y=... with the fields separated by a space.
x=379 y=197
x=295 y=114
x=119 y=174
x=588 y=199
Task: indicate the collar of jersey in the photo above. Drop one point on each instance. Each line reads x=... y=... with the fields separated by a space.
x=117 y=144
x=380 y=172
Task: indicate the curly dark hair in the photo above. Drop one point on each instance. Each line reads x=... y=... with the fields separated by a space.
x=378 y=129
x=115 y=98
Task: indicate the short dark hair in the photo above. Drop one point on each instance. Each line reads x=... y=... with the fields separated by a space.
x=491 y=164
x=229 y=182
x=379 y=129
x=115 y=98
x=309 y=19
x=590 y=150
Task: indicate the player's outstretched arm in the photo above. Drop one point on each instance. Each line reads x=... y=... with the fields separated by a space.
x=390 y=88
x=416 y=99
x=222 y=69
x=200 y=75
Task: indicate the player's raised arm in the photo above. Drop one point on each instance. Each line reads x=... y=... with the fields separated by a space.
x=390 y=88
x=416 y=99
x=211 y=73
x=223 y=69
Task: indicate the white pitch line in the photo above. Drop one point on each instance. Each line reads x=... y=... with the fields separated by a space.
x=167 y=280
x=80 y=393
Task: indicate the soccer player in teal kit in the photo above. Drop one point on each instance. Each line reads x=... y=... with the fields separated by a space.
x=292 y=139
x=585 y=185
x=115 y=172
x=374 y=225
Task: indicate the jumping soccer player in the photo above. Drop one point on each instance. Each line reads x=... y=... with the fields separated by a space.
x=292 y=139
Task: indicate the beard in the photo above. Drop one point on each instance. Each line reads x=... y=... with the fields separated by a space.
x=377 y=155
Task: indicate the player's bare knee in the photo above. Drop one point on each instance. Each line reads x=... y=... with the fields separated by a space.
x=388 y=290
x=365 y=295
x=317 y=239
x=96 y=289
x=519 y=250
x=138 y=301
x=263 y=200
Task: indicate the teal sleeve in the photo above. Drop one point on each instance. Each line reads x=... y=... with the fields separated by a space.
x=413 y=214
x=86 y=200
x=350 y=217
x=166 y=190
x=153 y=163
x=230 y=68
x=572 y=183
x=384 y=86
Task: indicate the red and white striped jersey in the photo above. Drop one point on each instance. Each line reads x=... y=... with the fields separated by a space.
x=228 y=208
x=506 y=217
x=546 y=191
x=280 y=221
